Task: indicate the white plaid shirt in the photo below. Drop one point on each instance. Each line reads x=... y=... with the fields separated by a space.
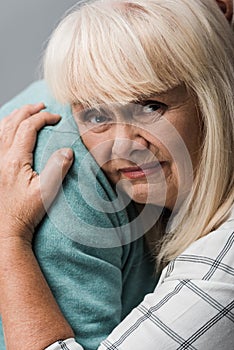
x=192 y=306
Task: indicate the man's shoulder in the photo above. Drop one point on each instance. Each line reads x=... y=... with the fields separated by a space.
x=50 y=138
x=34 y=93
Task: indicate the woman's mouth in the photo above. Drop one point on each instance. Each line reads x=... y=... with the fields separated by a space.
x=144 y=170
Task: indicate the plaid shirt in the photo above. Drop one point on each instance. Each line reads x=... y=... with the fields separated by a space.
x=192 y=306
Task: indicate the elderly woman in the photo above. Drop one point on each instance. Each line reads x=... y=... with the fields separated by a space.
x=151 y=86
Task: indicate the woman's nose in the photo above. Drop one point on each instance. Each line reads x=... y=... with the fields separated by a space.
x=127 y=140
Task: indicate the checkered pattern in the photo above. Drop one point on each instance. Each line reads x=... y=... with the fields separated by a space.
x=68 y=344
x=191 y=308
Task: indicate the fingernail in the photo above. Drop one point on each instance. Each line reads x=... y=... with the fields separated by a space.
x=40 y=104
x=14 y=111
x=68 y=153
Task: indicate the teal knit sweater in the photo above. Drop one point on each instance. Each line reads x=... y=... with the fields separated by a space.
x=95 y=263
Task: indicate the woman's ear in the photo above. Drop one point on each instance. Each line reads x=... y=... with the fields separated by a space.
x=226 y=7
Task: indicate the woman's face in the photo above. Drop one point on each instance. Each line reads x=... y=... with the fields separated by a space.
x=149 y=148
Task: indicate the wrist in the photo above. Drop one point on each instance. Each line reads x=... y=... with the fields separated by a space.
x=14 y=231
x=12 y=248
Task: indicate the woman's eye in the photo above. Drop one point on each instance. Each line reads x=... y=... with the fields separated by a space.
x=149 y=111
x=99 y=119
x=152 y=107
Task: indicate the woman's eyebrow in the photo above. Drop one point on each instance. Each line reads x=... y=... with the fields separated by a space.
x=89 y=110
x=105 y=109
x=153 y=96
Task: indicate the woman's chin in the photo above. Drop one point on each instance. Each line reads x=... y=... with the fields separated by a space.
x=146 y=193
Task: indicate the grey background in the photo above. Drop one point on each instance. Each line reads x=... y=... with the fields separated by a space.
x=24 y=29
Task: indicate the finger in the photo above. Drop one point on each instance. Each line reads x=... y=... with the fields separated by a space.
x=23 y=112
x=26 y=135
x=52 y=176
x=10 y=124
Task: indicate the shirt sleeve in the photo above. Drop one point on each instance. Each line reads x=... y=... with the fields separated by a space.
x=190 y=316
x=69 y=344
x=191 y=308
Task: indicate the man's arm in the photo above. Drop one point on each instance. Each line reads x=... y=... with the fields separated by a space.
x=22 y=284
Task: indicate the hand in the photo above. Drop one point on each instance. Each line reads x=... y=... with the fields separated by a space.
x=24 y=195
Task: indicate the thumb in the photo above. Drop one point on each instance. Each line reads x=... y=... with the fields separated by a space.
x=52 y=175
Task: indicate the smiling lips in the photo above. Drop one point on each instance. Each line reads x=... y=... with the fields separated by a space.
x=144 y=170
